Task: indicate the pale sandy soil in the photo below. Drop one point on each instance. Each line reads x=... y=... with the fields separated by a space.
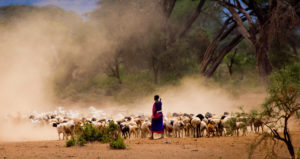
x=168 y=148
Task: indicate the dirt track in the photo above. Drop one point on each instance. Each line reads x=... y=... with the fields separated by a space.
x=215 y=148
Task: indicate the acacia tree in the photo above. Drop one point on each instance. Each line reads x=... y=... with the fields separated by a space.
x=281 y=105
x=264 y=18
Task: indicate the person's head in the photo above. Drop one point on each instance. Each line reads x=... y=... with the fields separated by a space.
x=156 y=97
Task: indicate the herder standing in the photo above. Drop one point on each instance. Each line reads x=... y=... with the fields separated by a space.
x=157 y=118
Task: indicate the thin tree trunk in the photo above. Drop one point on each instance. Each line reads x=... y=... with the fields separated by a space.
x=231 y=62
x=290 y=148
x=287 y=138
x=225 y=51
x=118 y=73
x=187 y=25
x=191 y=19
x=155 y=76
x=155 y=70
x=293 y=46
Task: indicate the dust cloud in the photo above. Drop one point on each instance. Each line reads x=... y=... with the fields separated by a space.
x=38 y=48
x=197 y=95
x=26 y=131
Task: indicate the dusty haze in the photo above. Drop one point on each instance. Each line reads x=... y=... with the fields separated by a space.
x=34 y=48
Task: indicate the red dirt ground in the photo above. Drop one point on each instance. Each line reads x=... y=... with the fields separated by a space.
x=175 y=148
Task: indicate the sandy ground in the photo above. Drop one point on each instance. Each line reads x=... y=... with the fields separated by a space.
x=187 y=148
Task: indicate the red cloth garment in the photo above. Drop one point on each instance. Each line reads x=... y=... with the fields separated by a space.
x=157 y=118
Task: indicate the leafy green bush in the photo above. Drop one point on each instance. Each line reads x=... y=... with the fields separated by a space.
x=105 y=138
x=118 y=143
x=231 y=124
x=70 y=142
x=298 y=153
x=80 y=141
x=281 y=104
x=91 y=133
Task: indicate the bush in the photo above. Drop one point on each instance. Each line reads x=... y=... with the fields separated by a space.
x=71 y=142
x=281 y=104
x=118 y=143
x=105 y=138
x=91 y=133
x=80 y=141
x=298 y=153
x=231 y=124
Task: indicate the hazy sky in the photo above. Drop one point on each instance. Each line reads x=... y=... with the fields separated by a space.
x=80 y=6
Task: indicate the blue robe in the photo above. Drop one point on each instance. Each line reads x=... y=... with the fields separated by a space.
x=157 y=118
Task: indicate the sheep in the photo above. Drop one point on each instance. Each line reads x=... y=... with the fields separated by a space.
x=145 y=128
x=203 y=126
x=169 y=127
x=208 y=115
x=242 y=126
x=188 y=128
x=178 y=128
x=195 y=123
x=211 y=128
x=124 y=129
x=174 y=124
x=227 y=125
x=66 y=129
x=258 y=123
x=133 y=130
x=218 y=125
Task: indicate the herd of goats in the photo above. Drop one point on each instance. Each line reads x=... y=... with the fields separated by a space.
x=175 y=125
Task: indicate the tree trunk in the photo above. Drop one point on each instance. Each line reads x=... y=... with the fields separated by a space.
x=155 y=69
x=191 y=19
x=290 y=148
x=225 y=51
x=155 y=76
x=287 y=138
x=231 y=62
x=262 y=48
x=214 y=44
x=294 y=48
x=187 y=25
x=115 y=70
x=208 y=55
x=118 y=73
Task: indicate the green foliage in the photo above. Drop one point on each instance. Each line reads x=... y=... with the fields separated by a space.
x=280 y=106
x=298 y=153
x=231 y=125
x=70 y=142
x=284 y=90
x=105 y=134
x=183 y=8
x=80 y=141
x=118 y=143
x=91 y=133
x=87 y=80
